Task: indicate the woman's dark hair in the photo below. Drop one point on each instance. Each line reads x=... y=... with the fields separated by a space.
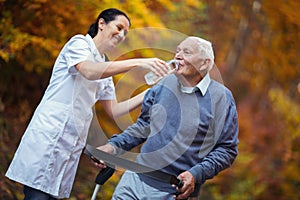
x=108 y=15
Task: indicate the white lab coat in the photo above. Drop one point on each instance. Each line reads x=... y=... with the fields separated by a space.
x=49 y=152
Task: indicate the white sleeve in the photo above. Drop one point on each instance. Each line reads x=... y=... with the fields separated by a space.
x=76 y=51
x=106 y=89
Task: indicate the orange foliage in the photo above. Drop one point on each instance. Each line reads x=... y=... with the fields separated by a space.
x=256 y=48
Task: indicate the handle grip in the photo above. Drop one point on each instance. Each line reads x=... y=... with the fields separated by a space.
x=104 y=175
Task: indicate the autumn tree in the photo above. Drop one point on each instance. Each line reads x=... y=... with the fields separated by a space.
x=256 y=48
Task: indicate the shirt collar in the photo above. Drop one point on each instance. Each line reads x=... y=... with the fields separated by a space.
x=94 y=49
x=202 y=86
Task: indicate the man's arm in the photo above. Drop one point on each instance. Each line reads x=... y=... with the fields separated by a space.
x=224 y=152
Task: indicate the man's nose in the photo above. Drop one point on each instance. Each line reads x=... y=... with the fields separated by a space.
x=178 y=55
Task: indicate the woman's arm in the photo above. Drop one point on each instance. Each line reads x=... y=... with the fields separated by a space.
x=138 y=132
x=117 y=109
x=93 y=71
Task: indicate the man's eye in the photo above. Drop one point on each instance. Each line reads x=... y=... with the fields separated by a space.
x=119 y=28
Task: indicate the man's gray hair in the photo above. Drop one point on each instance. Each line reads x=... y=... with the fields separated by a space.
x=206 y=50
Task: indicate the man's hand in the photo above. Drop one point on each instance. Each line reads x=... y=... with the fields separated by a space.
x=188 y=185
x=108 y=148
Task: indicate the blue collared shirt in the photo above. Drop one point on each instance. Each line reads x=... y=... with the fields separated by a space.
x=202 y=86
x=195 y=132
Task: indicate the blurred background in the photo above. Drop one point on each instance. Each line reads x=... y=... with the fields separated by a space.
x=257 y=51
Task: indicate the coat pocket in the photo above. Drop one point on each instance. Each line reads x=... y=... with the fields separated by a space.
x=51 y=116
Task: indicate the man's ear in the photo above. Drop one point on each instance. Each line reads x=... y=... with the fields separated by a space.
x=207 y=61
x=205 y=65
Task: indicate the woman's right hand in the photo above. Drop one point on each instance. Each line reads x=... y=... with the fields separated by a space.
x=93 y=71
x=157 y=66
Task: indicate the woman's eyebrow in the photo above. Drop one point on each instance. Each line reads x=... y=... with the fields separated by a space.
x=121 y=25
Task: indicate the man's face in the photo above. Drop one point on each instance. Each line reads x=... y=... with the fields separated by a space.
x=190 y=61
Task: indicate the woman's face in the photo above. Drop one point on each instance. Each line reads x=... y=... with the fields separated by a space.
x=114 y=32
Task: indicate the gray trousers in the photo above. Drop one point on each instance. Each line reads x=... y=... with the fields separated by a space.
x=131 y=187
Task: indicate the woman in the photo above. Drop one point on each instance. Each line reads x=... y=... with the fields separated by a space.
x=47 y=157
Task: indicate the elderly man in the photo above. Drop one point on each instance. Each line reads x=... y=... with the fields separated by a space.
x=188 y=127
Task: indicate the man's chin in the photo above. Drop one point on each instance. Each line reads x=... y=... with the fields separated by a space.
x=179 y=70
x=178 y=74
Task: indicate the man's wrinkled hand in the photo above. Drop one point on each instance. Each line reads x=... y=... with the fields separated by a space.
x=188 y=185
x=108 y=148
